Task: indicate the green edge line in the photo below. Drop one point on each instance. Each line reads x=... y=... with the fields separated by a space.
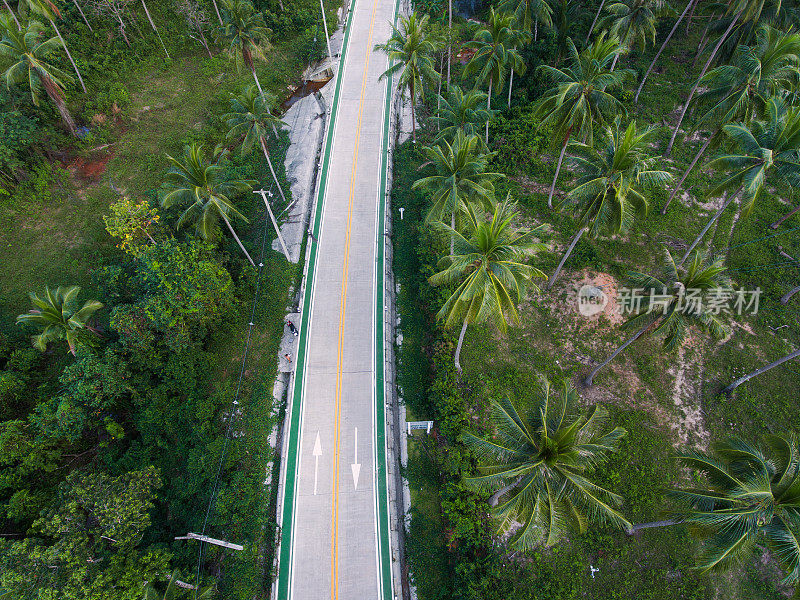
x=287 y=524
x=380 y=358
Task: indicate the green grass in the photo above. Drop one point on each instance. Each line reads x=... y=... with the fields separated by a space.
x=640 y=387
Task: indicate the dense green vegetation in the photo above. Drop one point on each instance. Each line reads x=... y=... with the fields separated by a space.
x=126 y=213
x=703 y=485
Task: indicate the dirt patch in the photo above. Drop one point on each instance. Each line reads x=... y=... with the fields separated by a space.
x=91 y=169
x=531 y=186
x=592 y=299
x=689 y=428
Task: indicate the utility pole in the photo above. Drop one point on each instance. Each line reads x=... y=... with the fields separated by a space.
x=209 y=540
x=274 y=222
x=327 y=37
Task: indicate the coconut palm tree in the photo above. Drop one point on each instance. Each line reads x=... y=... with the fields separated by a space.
x=791 y=356
x=529 y=13
x=461 y=112
x=749 y=495
x=689 y=6
x=28 y=53
x=633 y=22
x=738 y=11
x=486 y=267
x=50 y=11
x=740 y=91
x=245 y=33
x=153 y=25
x=612 y=183
x=582 y=96
x=13 y=16
x=59 y=317
x=495 y=55
x=668 y=304
x=768 y=150
x=249 y=120
x=461 y=177
x=539 y=462
x=199 y=185
x=411 y=53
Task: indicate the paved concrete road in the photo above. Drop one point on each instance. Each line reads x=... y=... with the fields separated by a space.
x=334 y=540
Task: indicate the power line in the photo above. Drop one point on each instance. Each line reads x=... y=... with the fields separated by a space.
x=766 y=237
x=233 y=412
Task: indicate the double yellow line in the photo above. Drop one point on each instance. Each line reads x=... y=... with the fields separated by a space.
x=342 y=310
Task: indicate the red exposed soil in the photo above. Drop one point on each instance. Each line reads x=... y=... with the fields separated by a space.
x=91 y=169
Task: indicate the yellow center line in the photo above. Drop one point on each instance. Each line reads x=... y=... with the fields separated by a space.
x=342 y=310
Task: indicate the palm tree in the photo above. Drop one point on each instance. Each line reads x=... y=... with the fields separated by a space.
x=59 y=317
x=767 y=150
x=750 y=494
x=199 y=183
x=689 y=6
x=543 y=459
x=28 y=54
x=633 y=22
x=153 y=25
x=249 y=119
x=529 y=12
x=461 y=177
x=83 y=15
x=581 y=98
x=791 y=356
x=411 y=50
x=670 y=303
x=740 y=91
x=49 y=10
x=738 y=10
x=495 y=55
x=487 y=267
x=246 y=34
x=610 y=190
x=173 y=590
x=461 y=112
x=13 y=16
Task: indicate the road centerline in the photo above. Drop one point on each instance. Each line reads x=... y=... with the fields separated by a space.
x=342 y=313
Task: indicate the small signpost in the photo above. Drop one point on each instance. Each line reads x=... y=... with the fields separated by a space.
x=426 y=425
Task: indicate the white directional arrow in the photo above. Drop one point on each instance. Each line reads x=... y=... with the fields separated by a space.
x=317 y=452
x=356 y=466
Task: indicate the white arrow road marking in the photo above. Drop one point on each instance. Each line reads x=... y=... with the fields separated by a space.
x=317 y=452
x=356 y=466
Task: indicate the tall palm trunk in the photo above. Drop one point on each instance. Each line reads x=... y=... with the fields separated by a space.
x=703 y=39
x=588 y=35
x=650 y=525
x=571 y=247
x=236 y=237
x=614 y=354
x=780 y=221
x=449 y=39
x=413 y=120
x=713 y=220
x=660 y=50
x=457 y=358
x=439 y=92
x=697 y=83
x=558 y=168
x=614 y=62
x=153 y=25
x=216 y=8
x=453 y=227
x=13 y=15
x=488 y=108
x=536 y=29
x=757 y=372
x=203 y=41
x=686 y=173
x=83 y=16
x=510 y=85
x=691 y=15
x=272 y=170
x=788 y=295
x=57 y=99
x=63 y=43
